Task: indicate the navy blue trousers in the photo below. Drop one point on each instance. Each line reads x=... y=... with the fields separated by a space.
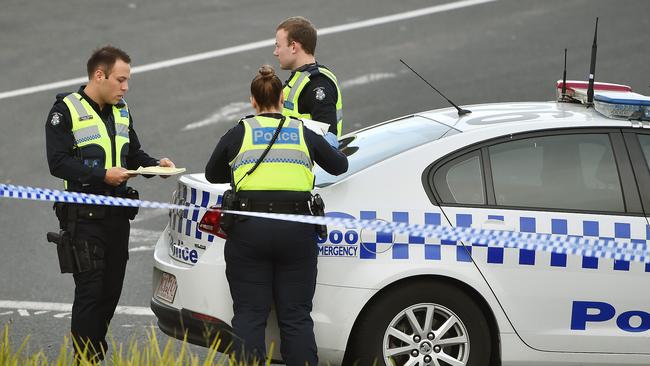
x=273 y=262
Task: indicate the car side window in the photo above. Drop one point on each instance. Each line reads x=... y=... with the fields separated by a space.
x=573 y=172
x=644 y=141
x=461 y=180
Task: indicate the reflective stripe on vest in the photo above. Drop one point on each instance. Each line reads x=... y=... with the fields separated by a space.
x=294 y=88
x=89 y=129
x=286 y=167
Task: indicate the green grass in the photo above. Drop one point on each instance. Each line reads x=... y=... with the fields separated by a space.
x=133 y=353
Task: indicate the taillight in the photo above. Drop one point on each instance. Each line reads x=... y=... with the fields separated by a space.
x=205 y=318
x=210 y=222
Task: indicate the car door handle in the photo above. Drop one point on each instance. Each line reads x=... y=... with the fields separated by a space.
x=492 y=224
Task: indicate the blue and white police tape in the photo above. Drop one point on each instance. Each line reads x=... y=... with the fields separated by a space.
x=577 y=245
x=585 y=246
x=53 y=195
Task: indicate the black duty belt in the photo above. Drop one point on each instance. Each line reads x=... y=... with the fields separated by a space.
x=100 y=211
x=290 y=207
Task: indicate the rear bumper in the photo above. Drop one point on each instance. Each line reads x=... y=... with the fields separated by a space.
x=181 y=324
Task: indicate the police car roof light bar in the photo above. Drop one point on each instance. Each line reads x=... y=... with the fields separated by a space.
x=461 y=111
x=592 y=68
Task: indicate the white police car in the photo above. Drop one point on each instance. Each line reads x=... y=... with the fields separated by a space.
x=542 y=167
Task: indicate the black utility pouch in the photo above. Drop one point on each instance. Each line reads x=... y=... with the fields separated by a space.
x=318 y=209
x=88 y=255
x=131 y=212
x=61 y=212
x=228 y=202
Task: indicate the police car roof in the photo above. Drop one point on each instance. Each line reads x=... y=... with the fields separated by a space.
x=504 y=115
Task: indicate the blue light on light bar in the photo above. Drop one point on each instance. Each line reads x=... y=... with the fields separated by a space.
x=623 y=105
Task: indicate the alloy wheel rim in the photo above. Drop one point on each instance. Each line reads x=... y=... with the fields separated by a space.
x=426 y=334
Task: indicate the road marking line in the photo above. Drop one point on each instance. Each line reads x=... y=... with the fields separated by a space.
x=41 y=312
x=7 y=313
x=144 y=248
x=143 y=236
x=255 y=45
x=229 y=113
x=23 y=312
x=365 y=79
x=233 y=111
x=151 y=214
x=61 y=307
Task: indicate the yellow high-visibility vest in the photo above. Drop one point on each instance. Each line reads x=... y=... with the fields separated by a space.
x=92 y=141
x=297 y=83
x=286 y=167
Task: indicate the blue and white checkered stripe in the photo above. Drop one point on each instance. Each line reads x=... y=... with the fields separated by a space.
x=620 y=249
x=186 y=222
x=382 y=246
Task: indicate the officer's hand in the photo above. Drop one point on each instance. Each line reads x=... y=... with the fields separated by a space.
x=332 y=140
x=116 y=176
x=166 y=163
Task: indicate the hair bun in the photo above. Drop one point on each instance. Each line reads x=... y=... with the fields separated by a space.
x=266 y=71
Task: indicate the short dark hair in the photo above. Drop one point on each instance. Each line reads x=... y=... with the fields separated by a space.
x=301 y=30
x=266 y=87
x=104 y=58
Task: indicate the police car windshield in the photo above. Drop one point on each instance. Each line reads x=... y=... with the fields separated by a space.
x=370 y=146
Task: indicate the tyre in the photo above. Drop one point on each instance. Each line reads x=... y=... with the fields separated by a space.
x=424 y=323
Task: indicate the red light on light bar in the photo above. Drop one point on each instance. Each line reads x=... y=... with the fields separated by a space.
x=597 y=86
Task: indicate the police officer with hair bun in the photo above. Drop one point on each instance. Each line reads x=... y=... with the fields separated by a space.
x=271 y=261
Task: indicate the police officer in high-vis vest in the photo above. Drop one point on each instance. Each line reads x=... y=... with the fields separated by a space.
x=312 y=90
x=268 y=261
x=91 y=143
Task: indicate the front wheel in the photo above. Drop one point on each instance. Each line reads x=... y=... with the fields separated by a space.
x=423 y=323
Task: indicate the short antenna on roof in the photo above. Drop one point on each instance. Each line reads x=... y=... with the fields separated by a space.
x=461 y=111
x=564 y=77
x=564 y=97
x=592 y=68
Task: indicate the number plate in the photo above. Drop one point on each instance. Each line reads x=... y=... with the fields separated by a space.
x=166 y=287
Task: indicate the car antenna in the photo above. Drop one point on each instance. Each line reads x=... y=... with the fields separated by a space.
x=592 y=69
x=461 y=111
x=564 y=96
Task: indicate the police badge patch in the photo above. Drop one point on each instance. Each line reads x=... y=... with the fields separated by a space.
x=320 y=93
x=56 y=118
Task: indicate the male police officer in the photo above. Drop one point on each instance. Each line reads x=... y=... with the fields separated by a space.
x=312 y=90
x=90 y=140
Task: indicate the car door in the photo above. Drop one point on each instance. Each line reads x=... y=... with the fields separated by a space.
x=572 y=182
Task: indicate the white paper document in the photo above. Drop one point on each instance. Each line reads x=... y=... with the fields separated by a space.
x=157 y=170
x=319 y=128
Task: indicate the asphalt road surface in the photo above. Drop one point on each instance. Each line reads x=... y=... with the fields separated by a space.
x=477 y=53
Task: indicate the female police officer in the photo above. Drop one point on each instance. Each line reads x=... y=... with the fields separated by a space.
x=269 y=260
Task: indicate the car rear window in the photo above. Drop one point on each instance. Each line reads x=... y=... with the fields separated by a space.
x=372 y=145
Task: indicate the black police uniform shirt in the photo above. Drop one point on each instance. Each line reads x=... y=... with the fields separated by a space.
x=217 y=170
x=60 y=144
x=318 y=98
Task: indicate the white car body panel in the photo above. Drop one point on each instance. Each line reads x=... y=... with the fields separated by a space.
x=530 y=303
